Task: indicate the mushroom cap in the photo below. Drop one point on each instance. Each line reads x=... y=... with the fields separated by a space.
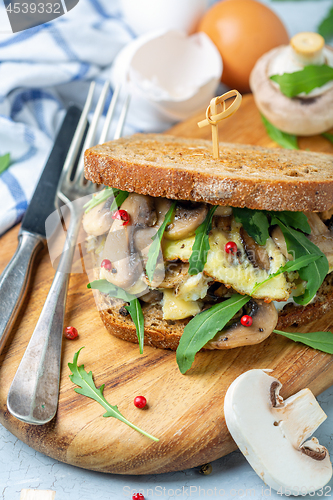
x=295 y=116
x=274 y=434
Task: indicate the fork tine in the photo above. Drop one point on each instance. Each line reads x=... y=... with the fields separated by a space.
x=109 y=115
x=77 y=138
x=122 y=118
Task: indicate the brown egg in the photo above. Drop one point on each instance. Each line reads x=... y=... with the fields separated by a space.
x=242 y=30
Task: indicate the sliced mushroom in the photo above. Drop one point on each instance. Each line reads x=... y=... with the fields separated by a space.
x=264 y=318
x=119 y=246
x=222 y=222
x=175 y=274
x=152 y=297
x=327 y=214
x=321 y=236
x=256 y=254
x=143 y=236
x=143 y=240
x=98 y=220
x=185 y=222
x=280 y=242
x=275 y=439
x=316 y=224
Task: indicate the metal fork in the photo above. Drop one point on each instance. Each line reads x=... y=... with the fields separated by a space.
x=33 y=395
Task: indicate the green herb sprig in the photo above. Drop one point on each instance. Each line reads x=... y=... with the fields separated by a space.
x=134 y=307
x=293 y=226
x=287 y=141
x=303 y=81
x=328 y=136
x=119 y=199
x=315 y=272
x=4 y=162
x=325 y=28
x=322 y=341
x=88 y=388
x=204 y=326
x=292 y=265
x=200 y=247
x=99 y=198
x=154 y=248
x=255 y=223
x=135 y=310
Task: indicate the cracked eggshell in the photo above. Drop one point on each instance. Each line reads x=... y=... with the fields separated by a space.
x=170 y=76
x=275 y=439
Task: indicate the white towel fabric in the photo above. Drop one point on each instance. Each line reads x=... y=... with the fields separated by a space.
x=42 y=70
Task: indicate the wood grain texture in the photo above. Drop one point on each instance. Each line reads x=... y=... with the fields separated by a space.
x=184 y=411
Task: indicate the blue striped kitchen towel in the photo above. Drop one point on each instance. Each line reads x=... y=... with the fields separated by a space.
x=42 y=70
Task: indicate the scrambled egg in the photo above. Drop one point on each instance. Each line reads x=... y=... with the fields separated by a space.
x=235 y=271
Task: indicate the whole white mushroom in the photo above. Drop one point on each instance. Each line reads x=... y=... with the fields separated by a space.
x=304 y=114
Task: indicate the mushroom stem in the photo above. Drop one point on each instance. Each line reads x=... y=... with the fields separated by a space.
x=308 y=48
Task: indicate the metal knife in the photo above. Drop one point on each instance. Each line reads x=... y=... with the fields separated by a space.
x=15 y=278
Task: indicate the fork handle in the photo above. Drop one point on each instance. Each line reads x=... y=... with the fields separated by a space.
x=33 y=395
x=15 y=279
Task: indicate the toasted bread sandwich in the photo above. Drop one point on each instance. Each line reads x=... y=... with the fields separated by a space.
x=231 y=247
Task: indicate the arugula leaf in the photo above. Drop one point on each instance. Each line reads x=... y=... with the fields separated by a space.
x=292 y=265
x=297 y=220
x=134 y=308
x=325 y=28
x=204 y=326
x=285 y=140
x=255 y=223
x=315 y=272
x=323 y=341
x=309 y=78
x=99 y=198
x=201 y=247
x=88 y=388
x=154 y=248
x=119 y=200
x=4 y=162
x=105 y=286
x=328 y=136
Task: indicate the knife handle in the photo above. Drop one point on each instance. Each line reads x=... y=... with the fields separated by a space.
x=33 y=394
x=14 y=280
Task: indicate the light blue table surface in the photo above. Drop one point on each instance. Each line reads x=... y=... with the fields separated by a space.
x=232 y=477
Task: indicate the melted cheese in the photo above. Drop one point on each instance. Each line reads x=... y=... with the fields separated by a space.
x=175 y=308
x=236 y=272
x=194 y=288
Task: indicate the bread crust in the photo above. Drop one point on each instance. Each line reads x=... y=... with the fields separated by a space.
x=244 y=176
x=166 y=334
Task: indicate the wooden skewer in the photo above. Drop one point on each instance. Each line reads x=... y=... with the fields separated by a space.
x=37 y=494
x=213 y=117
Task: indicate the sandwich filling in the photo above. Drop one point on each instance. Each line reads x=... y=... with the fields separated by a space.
x=187 y=257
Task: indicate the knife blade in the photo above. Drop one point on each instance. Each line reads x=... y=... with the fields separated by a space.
x=15 y=278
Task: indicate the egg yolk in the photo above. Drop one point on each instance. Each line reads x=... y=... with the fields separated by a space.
x=242 y=30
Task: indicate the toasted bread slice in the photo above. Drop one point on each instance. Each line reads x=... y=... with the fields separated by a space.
x=243 y=176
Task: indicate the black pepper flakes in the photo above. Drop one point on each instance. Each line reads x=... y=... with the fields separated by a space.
x=123 y=311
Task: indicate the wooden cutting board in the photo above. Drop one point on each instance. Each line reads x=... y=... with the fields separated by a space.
x=184 y=411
